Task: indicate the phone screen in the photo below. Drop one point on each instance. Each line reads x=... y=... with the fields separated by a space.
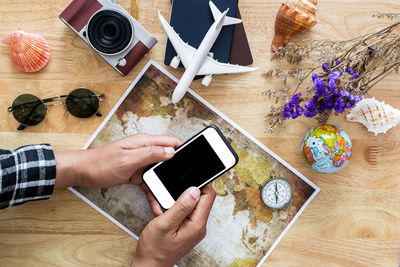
x=191 y=166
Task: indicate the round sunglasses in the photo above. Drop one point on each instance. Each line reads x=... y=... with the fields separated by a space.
x=29 y=110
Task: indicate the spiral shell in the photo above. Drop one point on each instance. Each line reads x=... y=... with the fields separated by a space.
x=28 y=52
x=377 y=116
x=294 y=16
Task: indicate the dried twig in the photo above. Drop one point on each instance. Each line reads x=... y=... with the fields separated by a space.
x=372 y=56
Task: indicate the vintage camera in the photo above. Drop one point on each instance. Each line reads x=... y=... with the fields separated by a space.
x=110 y=30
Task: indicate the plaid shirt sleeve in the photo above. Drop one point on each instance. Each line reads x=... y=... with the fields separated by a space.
x=26 y=173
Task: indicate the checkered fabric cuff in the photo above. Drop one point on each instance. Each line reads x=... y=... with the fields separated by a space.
x=26 y=173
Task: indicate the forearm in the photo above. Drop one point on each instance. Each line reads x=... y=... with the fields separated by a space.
x=72 y=167
x=27 y=173
x=30 y=172
x=146 y=262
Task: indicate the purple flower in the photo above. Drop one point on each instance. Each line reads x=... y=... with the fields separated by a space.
x=349 y=70
x=343 y=94
x=310 y=107
x=298 y=112
x=322 y=107
x=328 y=100
x=286 y=112
x=350 y=104
x=328 y=95
x=333 y=77
x=319 y=86
x=353 y=100
x=325 y=67
x=332 y=86
x=311 y=112
x=292 y=109
x=339 y=105
x=295 y=99
x=353 y=74
x=314 y=76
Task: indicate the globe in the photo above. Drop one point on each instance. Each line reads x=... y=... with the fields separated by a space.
x=326 y=148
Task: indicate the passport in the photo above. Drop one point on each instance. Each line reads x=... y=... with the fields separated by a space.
x=191 y=19
x=240 y=50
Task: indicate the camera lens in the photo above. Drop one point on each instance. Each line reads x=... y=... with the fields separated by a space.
x=109 y=31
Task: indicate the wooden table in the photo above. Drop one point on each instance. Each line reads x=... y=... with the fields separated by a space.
x=355 y=219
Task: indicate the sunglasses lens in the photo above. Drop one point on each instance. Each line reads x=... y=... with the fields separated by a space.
x=29 y=110
x=82 y=103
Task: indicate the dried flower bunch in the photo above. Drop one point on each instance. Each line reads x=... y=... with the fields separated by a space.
x=346 y=71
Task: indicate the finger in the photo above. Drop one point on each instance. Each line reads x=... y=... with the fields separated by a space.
x=202 y=211
x=142 y=140
x=136 y=177
x=154 y=205
x=182 y=208
x=143 y=156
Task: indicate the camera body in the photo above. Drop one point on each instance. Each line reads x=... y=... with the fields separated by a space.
x=110 y=30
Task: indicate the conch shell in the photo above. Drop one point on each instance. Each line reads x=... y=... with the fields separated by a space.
x=294 y=16
x=28 y=52
x=377 y=116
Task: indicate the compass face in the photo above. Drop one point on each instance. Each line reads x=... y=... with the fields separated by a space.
x=276 y=193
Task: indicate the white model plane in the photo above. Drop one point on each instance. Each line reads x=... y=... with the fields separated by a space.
x=199 y=61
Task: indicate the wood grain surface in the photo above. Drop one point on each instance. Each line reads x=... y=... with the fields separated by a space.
x=355 y=219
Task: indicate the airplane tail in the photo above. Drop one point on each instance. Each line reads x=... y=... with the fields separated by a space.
x=217 y=14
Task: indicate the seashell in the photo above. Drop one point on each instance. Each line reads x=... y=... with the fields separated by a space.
x=294 y=16
x=28 y=52
x=377 y=116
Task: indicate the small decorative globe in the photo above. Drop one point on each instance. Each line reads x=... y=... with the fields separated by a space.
x=326 y=148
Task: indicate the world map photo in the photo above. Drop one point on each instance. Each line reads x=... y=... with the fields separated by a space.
x=241 y=229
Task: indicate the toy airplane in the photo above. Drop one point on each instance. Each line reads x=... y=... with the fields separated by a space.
x=199 y=61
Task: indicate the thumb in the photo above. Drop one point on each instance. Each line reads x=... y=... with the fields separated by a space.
x=185 y=204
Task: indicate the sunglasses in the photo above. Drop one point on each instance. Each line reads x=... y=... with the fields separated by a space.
x=29 y=110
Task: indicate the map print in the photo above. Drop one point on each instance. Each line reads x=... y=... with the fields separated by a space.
x=241 y=229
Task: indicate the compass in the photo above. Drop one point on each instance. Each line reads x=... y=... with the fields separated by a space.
x=276 y=193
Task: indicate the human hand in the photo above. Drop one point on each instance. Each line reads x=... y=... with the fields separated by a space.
x=168 y=237
x=119 y=162
x=123 y=161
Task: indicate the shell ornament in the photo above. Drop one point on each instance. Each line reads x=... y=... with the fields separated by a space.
x=377 y=116
x=294 y=16
x=28 y=52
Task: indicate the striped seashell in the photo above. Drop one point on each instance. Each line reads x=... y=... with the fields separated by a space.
x=28 y=52
x=294 y=16
x=377 y=116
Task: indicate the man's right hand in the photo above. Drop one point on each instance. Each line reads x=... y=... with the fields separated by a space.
x=168 y=237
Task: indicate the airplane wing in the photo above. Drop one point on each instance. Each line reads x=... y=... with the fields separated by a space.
x=211 y=66
x=184 y=50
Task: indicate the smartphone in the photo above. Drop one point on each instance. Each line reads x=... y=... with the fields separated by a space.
x=197 y=162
